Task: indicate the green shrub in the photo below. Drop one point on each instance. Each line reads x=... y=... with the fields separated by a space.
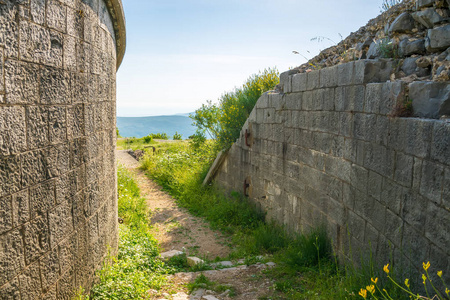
x=147 y=139
x=159 y=136
x=224 y=121
x=177 y=136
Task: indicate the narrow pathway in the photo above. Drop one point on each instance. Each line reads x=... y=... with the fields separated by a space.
x=176 y=229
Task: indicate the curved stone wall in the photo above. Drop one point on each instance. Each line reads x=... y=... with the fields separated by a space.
x=328 y=151
x=58 y=202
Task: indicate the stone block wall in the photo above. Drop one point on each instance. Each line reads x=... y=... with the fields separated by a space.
x=327 y=150
x=58 y=202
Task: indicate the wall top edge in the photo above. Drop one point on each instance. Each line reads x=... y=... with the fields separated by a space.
x=118 y=18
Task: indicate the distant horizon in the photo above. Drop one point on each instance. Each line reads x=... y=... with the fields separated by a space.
x=181 y=114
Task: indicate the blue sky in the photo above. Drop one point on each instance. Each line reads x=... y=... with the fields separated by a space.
x=181 y=53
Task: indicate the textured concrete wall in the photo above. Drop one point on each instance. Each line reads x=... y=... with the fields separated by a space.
x=58 y=202
x=327 y=151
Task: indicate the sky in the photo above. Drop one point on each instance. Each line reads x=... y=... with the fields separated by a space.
x=181 y=53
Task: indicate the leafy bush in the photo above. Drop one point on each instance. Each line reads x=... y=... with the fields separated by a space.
x=224 y=121
x=159 y=136
x=177 y=136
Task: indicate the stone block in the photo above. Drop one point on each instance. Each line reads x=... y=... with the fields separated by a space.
x=57 y=124
x=364 y=126
x=58 y=159
x=349 y=98
x=75 y=26
x=2 y=74
x=61 y=224
x=10 y=28
x=392 y=195
x=403 y=23
x=382 y=130
x=193 y=261
x=419 y=133
x=299 y=82
x=75 y=121
x=393 y=93
x=373 y=70
x=56 y=15
x=12 y=130
x=55 y=86
x=40 y=45
x=37 y=11
x=37 y=127
x=415 y=245
x=338 y=167
x=337 y=146
x=379 y=159
x=84 y=57
x=313 y=80
x=49 y=268
x=430 y=99
x=20 y=208
x=372 y=98
x=359 y=177
x=371 y=210
x=66 y=285
x=370 y=239
x=446 y=190
x=403 y=169
x=438 y=38
x=345 y=74
x=169 y=254
x=10 y=176
x=437 y=231
x=408 y=48
x=30 y=282
x=36 y=237
x=6 y=214
x=427 y=17
x=294 y=101
x=11 y=290
x=440 y=145
x=345 y=124
x=329 y=77
x=11 y=255
x=67 y=254
x=432 y=179
x=34 y=168
x=356 y=226
x=413 y=208
x=21 y=82
x=394 y=228
x=69 y=50
x=374 y=185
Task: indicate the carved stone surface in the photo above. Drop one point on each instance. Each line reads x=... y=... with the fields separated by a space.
x=57 y=91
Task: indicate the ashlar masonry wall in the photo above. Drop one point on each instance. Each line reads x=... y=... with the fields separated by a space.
x=58 y=202
x=328 y=151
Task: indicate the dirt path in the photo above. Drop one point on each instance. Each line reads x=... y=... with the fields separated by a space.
x=176 y=229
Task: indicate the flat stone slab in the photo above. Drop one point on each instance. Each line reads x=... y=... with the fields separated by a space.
x=169 y=254
x=193 y=261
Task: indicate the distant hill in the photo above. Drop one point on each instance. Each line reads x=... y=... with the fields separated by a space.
x=142 y=126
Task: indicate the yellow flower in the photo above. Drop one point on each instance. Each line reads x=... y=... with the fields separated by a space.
x=424 y=278
x=386 y=268
x=407 y=282
x=447 y=291
x=371 y=289
x=426 y=266
x=439 y=273
x=374 y=280
x=363 y=293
